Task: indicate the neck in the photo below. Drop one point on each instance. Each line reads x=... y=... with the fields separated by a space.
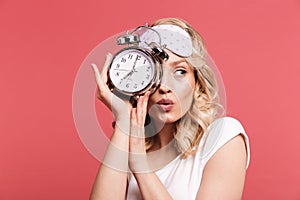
x=165 y=135
x=164 y=149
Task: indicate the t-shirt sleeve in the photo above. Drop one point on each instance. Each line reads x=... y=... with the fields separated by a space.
x=219 y=133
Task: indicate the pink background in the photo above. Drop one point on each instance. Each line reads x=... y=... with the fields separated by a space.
x=255 y=44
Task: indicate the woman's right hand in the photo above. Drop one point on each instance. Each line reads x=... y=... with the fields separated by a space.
x=121 y=108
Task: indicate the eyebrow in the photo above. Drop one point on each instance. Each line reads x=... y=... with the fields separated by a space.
x=174 y=63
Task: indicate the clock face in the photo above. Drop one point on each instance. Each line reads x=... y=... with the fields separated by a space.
x=132 y=70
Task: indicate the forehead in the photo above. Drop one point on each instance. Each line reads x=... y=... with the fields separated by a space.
x=175 y=60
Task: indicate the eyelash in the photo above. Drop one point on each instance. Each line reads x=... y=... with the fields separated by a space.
x=181 y=72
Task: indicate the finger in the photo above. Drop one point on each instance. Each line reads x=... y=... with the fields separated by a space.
x=133 y=123
x=97 y=74
x=102 y=92
x=105 y=67
x=133 y=115
x=139 y=108
x=145 y=103
x=143 y=108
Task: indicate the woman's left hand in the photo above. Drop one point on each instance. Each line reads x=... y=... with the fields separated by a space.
x=137 y=148
x=149 y=184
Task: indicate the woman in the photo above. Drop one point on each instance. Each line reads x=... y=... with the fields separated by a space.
x=187 y=153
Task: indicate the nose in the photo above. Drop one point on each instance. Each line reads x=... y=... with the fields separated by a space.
x=164 y=89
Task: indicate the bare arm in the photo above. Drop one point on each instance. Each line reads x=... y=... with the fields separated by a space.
x=224 y=175
x=151 y=187
x=111 y=181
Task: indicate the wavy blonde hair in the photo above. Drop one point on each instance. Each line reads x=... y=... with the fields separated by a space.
x=205 y=107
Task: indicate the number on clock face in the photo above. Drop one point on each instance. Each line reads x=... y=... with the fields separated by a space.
x=131 y=70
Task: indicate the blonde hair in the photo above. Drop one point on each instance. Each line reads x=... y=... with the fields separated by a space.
x=191 y=127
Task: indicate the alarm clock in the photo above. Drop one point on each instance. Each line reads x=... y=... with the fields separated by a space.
x=135 y=69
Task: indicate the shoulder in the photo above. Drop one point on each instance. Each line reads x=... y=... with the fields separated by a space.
x=227 y=123
x=220 y=132
x=224 y=155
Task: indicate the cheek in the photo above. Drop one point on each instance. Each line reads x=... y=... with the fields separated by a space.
x=184 y=94
x=159 y=118
x=150 y=104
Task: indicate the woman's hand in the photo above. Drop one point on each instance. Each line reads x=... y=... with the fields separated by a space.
x=148 y=182
x=129 y=120
x=120 y=107
x=137 y=149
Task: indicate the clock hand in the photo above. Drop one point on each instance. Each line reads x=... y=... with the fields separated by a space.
x=145 y=66
x=133 y=68
x=123 y=69
x=129 y=74
x=137 y=57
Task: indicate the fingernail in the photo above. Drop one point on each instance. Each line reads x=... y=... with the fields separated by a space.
x=148 y=93
x=108 y=55
x=93 y=66
x=134 y=110
x=141 y=98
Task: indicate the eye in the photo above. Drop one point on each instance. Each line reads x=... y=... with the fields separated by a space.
x=180 y=72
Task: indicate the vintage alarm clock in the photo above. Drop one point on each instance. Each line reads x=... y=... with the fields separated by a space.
x=136 y=68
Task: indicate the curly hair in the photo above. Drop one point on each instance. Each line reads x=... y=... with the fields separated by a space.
x=205 y=106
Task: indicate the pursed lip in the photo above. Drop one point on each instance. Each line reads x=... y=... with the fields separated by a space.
x=165 y=104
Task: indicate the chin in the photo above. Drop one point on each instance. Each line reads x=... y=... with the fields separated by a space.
x=161 y=116
x=164 y=118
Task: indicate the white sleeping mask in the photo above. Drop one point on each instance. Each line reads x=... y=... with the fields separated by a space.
x=172 y=37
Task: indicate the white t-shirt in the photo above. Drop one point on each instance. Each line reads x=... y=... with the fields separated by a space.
x=182 y=177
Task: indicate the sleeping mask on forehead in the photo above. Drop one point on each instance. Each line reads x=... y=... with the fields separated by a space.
x=171 y=37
